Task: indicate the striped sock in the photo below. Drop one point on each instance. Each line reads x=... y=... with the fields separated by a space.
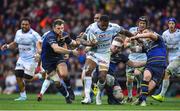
x=144 y=90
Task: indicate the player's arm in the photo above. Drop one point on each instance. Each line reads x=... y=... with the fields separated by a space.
x=135 y=64
x=39 y=47
x=126 y=33
x=150 y=35
x=11 y=45
x=61 y=50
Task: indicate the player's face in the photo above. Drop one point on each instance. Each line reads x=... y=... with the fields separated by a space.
x=97 y=17
x=103 y=25
x=58 y=29
x=142 y=25
x=116 y=49
x=25 y=26
x=171 y=25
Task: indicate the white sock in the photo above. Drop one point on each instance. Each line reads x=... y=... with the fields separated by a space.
x=129 y=88
x=101 y=86
x=45 y=85
x=87 y=86
x=165 y=86
x=39 y=75
x=23 y=94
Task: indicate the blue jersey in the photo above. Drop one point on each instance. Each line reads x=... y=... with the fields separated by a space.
x=115 y=60
x=48 y=56
x=156 y=52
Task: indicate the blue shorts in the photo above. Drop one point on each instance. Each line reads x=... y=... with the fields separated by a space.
x=51 y=65
x=157 y=73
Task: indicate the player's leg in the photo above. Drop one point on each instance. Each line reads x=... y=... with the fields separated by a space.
x=63 y=72
x=113 y=90
x=45 y=84
x=138 y=77
x=61 y=88
x=147 y=75
x=129 y=83
x=20 y=82
x=90 y=65
x=172 y=69
x=103 y=69
x=19 y=72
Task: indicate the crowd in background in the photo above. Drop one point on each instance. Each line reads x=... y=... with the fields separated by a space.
x=77 y=14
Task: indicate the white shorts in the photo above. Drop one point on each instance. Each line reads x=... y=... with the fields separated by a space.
x=28 y=67
x=101 y=59
x=174 y=67
x=138 y=57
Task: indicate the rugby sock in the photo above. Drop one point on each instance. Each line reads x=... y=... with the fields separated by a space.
x=101 y=85
x=45 y=85
x=129 y=88
x=63 y=90
x=87 y=86
x=144 y=90
x=67 y=82
x=165 y=86
x=23 y=94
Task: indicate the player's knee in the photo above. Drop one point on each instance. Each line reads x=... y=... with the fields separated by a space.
x=147 y=75
x=167 y=74
x=102 y=77
x=88 y=70
x=19 y=73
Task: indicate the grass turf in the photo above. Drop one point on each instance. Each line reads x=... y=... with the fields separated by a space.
x=55 y=102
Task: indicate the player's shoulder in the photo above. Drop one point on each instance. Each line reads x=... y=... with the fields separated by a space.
x=177 y=30
x=165 y=32
x=114 y=25
x=133 y=29
x=19 y=31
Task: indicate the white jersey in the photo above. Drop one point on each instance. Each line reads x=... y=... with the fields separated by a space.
x=172 y=41
x=104 y=38
x=136 y=56
x=27 y=44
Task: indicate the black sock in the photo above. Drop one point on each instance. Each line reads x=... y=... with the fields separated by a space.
x=62 y=90
x=67 y=82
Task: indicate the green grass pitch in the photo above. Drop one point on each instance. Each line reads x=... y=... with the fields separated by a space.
x=55 y=102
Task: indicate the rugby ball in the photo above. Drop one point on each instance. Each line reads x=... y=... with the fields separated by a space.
x=91 y=38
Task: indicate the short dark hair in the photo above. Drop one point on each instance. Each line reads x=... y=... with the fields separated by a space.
x=26 y=19
x=104 y=18
x=145 y=19
x=57 y=22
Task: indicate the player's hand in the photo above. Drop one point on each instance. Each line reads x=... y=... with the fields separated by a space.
x=4 y=47
x=37 y=57
x=133 y=38
x=75 y=52
x=66 y=56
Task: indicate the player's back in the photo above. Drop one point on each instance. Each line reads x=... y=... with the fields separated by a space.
x=156 y=52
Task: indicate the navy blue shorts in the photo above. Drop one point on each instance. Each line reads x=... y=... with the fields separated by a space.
x=157 y=73
x=51 y=66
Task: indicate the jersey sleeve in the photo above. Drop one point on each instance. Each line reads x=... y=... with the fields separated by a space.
x=37 y=36
x=117 y=29
x=68 y=40
x=16 y=37
x=51 y=40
